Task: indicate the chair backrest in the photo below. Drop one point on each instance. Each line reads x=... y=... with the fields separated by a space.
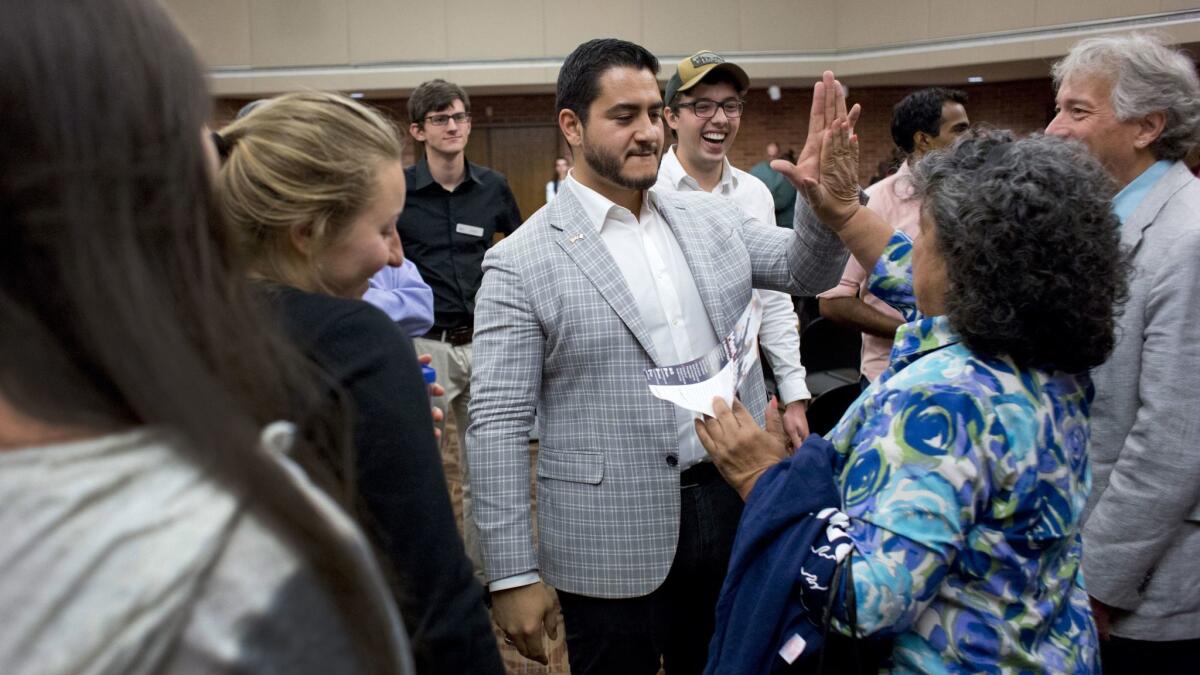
x=825 y=345
x=827 y=409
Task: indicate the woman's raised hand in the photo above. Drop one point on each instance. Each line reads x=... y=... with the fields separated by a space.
x=826 y=173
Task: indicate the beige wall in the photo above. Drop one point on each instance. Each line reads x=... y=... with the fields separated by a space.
x=265 y=46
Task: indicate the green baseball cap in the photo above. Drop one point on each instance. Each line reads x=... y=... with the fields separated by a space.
x=691 y=70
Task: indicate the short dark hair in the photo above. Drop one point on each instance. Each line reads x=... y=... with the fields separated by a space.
x=579 y=77
x=1032 y=249
x=715 y=76
x=435 y=95
x=921 y=111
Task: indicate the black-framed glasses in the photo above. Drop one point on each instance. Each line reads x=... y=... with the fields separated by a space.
x=705 y=108
x=442 y=120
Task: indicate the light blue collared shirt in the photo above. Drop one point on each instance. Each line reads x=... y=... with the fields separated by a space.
x=404 y=296
x=1130 y=196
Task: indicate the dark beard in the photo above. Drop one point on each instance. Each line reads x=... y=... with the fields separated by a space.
x=608 y=167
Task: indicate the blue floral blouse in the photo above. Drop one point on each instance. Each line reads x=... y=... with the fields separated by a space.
x=965 y=477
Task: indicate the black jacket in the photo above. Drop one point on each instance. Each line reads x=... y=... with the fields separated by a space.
x=399 y=474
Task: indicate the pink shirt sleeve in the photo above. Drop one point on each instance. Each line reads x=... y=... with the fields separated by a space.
x=852 y=279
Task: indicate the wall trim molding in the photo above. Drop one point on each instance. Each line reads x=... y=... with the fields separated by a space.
x=533 y=74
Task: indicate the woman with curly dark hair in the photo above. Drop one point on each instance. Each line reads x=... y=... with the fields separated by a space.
x=961 y=474
x=1021 y=259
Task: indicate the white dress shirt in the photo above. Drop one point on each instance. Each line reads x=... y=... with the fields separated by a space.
x=661 y=283
x=779 y=334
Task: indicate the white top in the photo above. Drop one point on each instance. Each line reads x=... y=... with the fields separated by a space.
x=121 y=555
x=550 y=193
x=779 y=335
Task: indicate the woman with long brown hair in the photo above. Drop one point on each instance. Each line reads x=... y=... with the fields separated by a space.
x=149 y=523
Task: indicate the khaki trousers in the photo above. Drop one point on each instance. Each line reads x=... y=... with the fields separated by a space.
x=453 y=366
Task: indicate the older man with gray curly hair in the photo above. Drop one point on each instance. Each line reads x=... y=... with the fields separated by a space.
x=1136 y=104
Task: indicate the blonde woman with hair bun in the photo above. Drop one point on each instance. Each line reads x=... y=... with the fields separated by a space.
x=312 y=185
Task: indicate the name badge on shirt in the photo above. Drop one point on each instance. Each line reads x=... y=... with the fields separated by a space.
x=463 y=228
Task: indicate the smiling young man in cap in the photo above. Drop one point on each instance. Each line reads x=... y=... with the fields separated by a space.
x=704 y=103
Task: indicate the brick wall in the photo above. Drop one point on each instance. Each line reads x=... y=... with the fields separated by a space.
x=1023 y=106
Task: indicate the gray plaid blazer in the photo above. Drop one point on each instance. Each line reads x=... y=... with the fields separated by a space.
x=1141 y=539
x=557 y=328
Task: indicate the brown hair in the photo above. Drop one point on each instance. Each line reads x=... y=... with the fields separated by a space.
x=432 y=96
x=121 y=300
x=308 y=159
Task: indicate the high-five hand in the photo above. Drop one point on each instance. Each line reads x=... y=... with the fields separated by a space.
x=826 y=173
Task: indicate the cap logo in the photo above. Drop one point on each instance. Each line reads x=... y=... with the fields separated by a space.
x=705 y=59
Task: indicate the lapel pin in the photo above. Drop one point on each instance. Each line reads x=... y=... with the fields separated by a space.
x=575 y=237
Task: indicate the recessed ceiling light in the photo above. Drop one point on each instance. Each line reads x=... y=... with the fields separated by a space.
x=356 y=94
x=975 y=79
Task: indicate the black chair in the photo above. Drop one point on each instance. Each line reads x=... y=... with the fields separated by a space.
x=826 y=345
x=830 y=353
x=827 y=408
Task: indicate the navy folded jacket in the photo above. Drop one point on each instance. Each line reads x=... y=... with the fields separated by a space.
x=777 y=586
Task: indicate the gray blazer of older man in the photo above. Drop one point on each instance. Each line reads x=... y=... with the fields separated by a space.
x=1142 y=537
x=557 y=328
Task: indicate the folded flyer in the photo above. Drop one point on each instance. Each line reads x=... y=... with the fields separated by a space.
x=692 y=385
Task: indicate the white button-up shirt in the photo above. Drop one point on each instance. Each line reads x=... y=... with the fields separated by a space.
x=779 y=334
x=662 y=286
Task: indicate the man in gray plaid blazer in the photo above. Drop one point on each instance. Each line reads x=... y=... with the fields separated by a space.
x=634 y=527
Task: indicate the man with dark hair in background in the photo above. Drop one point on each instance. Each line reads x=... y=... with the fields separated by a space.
x=612 y=277
x=924 y=120
x=452 y=212
x=704 y=112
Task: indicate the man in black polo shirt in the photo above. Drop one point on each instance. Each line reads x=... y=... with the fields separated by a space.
x=454 y=210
